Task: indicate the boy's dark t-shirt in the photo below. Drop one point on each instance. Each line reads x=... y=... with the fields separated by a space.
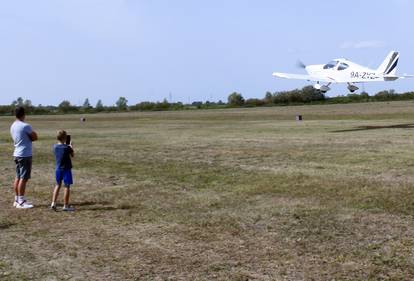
x=62 y=154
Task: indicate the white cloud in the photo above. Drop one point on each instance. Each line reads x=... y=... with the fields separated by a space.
x=370 y=44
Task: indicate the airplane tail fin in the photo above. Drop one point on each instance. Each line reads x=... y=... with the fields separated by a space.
x=389 y=65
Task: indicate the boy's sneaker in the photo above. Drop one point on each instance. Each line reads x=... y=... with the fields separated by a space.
x=68 y=209
x=53 y=208
x=23 y=205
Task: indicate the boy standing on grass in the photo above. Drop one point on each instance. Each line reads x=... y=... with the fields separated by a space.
x=63 y=153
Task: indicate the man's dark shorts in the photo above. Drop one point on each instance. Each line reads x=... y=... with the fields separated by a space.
x=23 y=167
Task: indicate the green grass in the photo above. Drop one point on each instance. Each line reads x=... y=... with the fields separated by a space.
x=237 y=194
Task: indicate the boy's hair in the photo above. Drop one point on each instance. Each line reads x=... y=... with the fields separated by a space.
x=19 y=112
x=61 y=135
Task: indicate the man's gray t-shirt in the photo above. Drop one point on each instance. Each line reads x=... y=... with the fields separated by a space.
x=20 y=133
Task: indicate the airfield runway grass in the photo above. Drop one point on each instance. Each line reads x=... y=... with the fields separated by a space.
x=235 y=194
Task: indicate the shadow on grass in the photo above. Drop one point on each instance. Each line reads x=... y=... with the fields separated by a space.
x=100 y=206
x=6 y=225
x=365 y=128
x=91 y=203
x=94 y=206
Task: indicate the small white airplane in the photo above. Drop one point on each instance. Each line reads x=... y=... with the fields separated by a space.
x=345 y=71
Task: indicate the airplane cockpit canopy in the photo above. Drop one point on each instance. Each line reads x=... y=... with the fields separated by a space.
x=330 y=65
x=343 y=66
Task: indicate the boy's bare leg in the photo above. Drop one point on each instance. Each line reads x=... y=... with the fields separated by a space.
x=66 y=196
x=56 y=194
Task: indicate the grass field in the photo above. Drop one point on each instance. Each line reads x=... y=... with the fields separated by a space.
x=238 y=194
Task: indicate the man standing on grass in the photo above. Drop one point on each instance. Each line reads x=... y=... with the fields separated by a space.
x=23 y=136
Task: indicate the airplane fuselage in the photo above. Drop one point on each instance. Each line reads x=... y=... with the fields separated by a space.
x=344 y=71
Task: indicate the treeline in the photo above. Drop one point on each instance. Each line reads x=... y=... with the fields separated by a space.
x=309 y=95
x=306 y=95
x=387 y=95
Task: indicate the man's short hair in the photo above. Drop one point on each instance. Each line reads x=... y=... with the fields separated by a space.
x=19 y=112
x=61 y=135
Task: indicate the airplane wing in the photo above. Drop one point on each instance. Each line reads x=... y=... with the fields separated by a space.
x=303 y=77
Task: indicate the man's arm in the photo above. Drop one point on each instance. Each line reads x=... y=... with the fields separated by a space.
x=33 y=136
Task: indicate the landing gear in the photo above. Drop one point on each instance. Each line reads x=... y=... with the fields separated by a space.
x=322 y=88
x=352 y=88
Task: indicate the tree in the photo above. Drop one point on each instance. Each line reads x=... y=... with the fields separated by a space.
x=309 y=94
x=65 y=106
x=364 y=96
x=164 y=105
x=386 y=95
x=235 y=99
x=27 y=103
x=99 y=106
x=254 y=102
x=122 y=103
x=86 y=105
x=268 y=98
x=18 y=102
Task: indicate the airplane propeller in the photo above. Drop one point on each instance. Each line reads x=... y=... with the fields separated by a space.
x=300 y=64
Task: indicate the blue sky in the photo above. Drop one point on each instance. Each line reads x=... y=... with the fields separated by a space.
x=188 y=50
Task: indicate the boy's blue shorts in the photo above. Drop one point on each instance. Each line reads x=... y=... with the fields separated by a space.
x=65 y=176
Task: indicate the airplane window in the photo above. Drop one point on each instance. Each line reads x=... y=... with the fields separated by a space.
x=330 y=65
x=343 y=66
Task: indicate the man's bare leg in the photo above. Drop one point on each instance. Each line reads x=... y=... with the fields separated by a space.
x=21 y=187
x=16 y=186
x=16 y=190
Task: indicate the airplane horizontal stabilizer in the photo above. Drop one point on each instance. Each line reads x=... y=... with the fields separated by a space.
x=393 y=77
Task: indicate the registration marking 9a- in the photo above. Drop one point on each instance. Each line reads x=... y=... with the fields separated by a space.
x=363 y=75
